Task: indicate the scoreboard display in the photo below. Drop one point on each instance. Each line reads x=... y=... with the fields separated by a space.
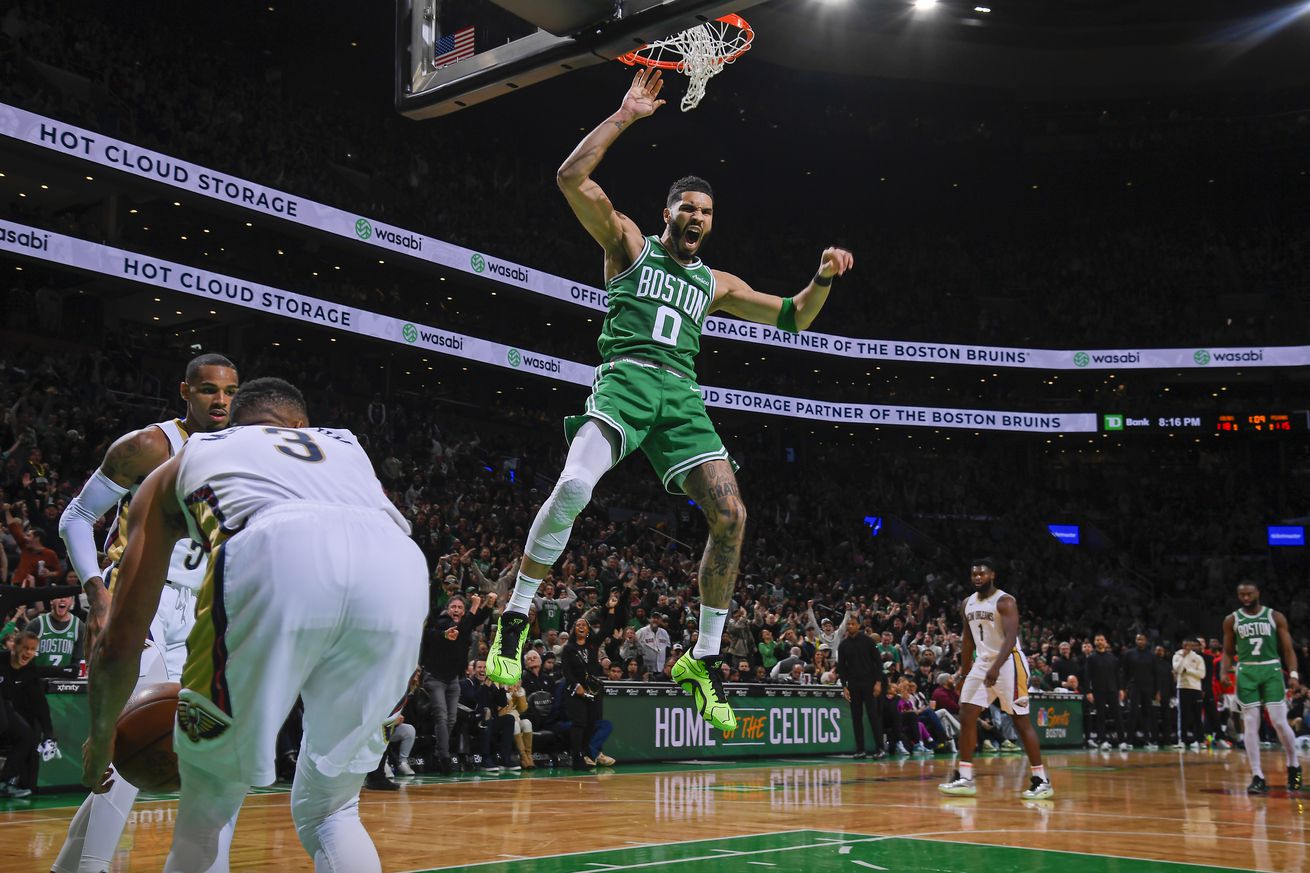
x=1285 y=422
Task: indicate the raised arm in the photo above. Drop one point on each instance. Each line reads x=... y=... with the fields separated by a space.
x=617 y=234
x=793 y=314
x=128 y=461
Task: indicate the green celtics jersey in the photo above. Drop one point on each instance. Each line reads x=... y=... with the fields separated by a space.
x=656 y=309
x=1257 y=638
x=56 y=646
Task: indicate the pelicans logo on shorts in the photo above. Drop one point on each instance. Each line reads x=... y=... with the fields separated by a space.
x=197 y=724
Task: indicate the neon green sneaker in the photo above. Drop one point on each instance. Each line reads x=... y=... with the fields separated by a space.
x=703 y=680
x=505 y=655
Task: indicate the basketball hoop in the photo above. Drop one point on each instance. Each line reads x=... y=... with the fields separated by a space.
x=699 y=53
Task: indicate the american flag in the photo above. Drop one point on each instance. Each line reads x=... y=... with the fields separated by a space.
x=453 y=47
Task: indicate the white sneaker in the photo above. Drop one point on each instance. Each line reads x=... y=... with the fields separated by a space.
x=958 y=786
x=921 y=749
x=900 y=749
x=1180 y=747
x=1038 y=789
x=387 y=771
x=404 y=769
x=1125 y=747
x=1152 y=747
x=1223 y=744
x=1105 y=747
x=1194 y=747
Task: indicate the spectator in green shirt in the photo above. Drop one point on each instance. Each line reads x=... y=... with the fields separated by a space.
x=766 y=648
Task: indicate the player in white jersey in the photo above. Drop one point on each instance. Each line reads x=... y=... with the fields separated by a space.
x=208 y=388
x=994 y=668
x=314 y=590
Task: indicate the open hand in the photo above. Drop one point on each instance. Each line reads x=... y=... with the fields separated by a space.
x=642 y=98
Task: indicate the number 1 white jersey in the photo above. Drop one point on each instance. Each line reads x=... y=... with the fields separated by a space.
x=984 y=621
x=226 y=477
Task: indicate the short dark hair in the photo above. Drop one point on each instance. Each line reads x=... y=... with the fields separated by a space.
x=267 y=394
x=685 y=184
x=209 y=359
x=989 y=563
x=1254 y=584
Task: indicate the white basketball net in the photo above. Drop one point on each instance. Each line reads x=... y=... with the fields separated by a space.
x=701 y=53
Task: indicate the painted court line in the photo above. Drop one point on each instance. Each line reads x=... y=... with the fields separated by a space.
x=635 y=845
x=844 y=850
x=771 y=851
x=762 y=863
x=867 y=864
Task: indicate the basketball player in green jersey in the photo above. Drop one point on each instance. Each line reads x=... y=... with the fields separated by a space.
x=645 y=393
x=1256 y=634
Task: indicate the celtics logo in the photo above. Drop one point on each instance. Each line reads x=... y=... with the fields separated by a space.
x=409 y=332
x=514 y=357
x=478 y=263
x=363 y=229
x=1201 y=356
x=1080 y=359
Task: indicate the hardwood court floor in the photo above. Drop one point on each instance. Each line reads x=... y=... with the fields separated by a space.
x=1126 y=813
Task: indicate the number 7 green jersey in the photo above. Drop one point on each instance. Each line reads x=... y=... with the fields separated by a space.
x=657 y=307
x=1256 y=637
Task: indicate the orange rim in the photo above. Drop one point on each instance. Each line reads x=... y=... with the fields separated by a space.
x=633 y=57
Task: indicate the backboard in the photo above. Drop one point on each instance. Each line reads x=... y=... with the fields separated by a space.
x=451 y=54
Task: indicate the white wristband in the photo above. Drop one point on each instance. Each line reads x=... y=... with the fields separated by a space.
x=1294 y=675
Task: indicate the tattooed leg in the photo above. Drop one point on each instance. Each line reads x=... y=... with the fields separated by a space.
x=714 y=488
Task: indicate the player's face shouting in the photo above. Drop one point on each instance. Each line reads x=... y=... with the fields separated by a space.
x=689 y=221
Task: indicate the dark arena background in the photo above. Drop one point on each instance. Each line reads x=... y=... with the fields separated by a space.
x=1075 y=339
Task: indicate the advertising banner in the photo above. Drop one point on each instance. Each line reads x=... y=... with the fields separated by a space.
x=70 y=713
x=56 y=136
x=1058 y=719
x=655 y=722
x=208 y=285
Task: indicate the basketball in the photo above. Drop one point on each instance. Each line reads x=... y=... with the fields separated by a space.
x=143 y=739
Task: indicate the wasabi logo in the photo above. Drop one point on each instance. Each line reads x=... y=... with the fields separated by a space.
x=1201 y=356
x=1080 y=359
x=363 y=229
x=545 y=365
x=410 y=333
x=479 y=263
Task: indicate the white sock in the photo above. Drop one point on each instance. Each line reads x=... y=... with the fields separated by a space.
x=525 y=588
x=1251 y=736
x=1040 y=772
x=711 y=632
x=206 y=817
x=101 y=829
x=1278 y=718
x=325 y=810
x=966 y=769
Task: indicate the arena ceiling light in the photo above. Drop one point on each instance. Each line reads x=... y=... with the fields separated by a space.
x=924 y=5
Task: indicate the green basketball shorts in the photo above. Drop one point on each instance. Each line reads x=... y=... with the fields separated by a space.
x=1260 y=684
x=657 y=411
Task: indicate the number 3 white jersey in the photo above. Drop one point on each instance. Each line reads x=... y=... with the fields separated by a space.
x=227 y=477
x=984 y=621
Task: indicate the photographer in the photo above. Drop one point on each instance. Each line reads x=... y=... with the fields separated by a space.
x=584 y=691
